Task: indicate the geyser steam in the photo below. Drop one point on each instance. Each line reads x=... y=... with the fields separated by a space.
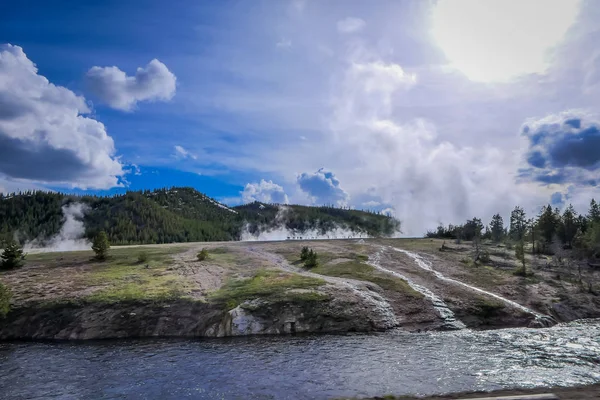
x=70 y=237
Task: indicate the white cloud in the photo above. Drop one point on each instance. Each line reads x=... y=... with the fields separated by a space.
x=371 y=203
x=44 y=135
x=265 y=192
x=424 y=178
x=350 y=25
x=182 y=153
x=323 y=187
x=284 y=43
x=113 y=87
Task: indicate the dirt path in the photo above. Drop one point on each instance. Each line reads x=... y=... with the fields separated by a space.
x=206 y=276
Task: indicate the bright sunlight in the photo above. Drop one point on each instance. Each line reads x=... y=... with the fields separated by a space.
x=498 y=40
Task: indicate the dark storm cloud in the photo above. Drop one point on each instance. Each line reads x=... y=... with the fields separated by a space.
x=563 y=148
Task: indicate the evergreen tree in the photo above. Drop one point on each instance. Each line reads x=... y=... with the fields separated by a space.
x=568 y=226
x=472 y=229
x=518 y=224
x=520 y=255
x=594 y=212
x=101 y=245
x=311 y=260
x=304 y=253
x=497 y=228
x=547 y=224
x=12 y=256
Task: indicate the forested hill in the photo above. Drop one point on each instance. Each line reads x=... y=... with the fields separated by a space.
x=172 y=215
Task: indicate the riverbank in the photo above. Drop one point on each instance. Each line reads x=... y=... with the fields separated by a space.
x=250 y=288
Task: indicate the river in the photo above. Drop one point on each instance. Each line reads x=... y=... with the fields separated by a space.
x=303 y=367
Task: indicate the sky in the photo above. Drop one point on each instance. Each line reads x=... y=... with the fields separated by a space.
x=434 y=111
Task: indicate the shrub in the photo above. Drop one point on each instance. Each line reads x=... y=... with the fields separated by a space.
x=5 y=295
x=101 y=245
x=12 y=256
x=311 y=260
x=304 y=253
x=142 y=257
x=203 y=255
x=484 y=257
x=522 y=271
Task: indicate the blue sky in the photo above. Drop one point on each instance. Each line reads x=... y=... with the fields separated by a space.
x=434 y=110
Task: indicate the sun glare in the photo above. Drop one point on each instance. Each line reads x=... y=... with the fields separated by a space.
x=498 y=40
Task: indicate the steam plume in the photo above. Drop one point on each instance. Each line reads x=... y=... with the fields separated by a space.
x=70 y=237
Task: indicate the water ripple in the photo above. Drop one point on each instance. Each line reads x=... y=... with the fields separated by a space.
x=303 y=367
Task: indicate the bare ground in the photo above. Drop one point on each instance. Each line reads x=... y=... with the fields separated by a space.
x=72 y=275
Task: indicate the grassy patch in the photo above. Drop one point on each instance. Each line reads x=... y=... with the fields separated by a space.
x=125 y=279
x=268 y=285
x=364 y=272
x=122 y=278
x=5 y=296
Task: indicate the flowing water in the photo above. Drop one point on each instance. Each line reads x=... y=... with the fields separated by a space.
x=303 y=367
x=422 y=263
x=450 y=321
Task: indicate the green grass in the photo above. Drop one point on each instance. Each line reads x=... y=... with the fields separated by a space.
x=5 y=296
x=123 y=278
x=268 y=285
x=364 y=272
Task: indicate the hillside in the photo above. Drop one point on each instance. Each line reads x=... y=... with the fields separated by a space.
x=171 y=215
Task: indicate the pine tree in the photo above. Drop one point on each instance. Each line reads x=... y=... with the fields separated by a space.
x=568 y=226
x=547 y=224
x=594 y=212
x=12 y=256
x=518 y=224
x=497 y=228
x=101 y=245
x=304 y=253
x=311 y=260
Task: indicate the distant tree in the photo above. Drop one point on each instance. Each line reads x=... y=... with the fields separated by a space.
x=590 y=241
x=12 y=256
x=594 y=212
x=101 y=245
x=203 y=255
x=497 y=228
x=568 y=226
x=518 y=224
x=5 y=296
x=547 y=224
x=487 y=234
x=472 y=229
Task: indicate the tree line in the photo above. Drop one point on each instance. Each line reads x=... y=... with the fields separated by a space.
x=548 y=232
x=168 y=215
